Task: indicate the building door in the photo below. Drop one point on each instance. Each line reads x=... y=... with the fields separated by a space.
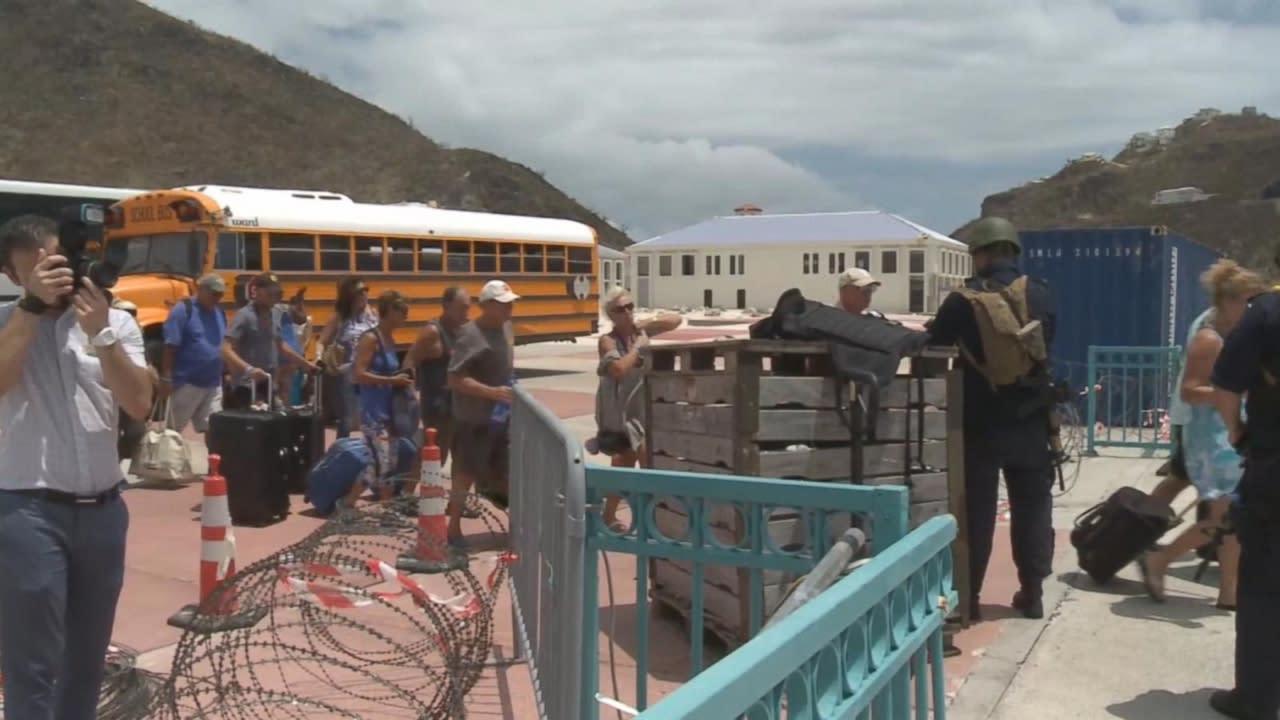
x=706 y=299
x=742 y=299
x=642 y=292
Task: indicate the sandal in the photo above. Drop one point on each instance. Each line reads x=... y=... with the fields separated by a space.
x=1154 y=586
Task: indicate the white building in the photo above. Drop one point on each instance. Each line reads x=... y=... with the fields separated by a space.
x=612 y=271
x=747 y=260
x=1177 y=196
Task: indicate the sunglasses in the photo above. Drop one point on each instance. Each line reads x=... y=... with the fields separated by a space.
x=629 y=307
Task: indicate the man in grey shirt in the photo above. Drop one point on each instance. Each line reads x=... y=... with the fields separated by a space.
x=255 y=341
x=69 y=362
x=480 y=377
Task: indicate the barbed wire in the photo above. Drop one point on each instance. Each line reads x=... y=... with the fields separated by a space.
x=342 y=633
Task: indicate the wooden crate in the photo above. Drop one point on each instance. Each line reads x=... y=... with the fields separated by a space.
x=770 y=409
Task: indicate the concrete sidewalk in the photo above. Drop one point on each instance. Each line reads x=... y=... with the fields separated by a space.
x=1107 y=652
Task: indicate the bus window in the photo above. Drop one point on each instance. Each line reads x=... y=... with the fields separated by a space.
x=458 y=256
x=368 y=254
x=555 y=258
x=180 y=253
x=533 y=258
x=430 y=255
x=292 y=253
x=230 y=252
x=399 y=255
x=509 y=258
x=486 y=257
x=335 y=253
x=252 y=251
x=580 y=260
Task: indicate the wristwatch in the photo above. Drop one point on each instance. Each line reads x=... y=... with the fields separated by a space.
x=105 y=338
x=33 y=305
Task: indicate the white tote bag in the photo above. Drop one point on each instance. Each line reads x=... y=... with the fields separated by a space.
x=162 y=454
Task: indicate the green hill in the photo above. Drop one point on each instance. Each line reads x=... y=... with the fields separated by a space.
x=113 y=92
x=1232 y=158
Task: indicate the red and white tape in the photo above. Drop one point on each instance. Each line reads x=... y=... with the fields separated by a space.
x=327 y=595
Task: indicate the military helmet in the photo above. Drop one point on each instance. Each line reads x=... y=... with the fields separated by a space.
x=992 y=231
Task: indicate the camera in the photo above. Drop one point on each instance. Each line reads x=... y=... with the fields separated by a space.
x=80 y=229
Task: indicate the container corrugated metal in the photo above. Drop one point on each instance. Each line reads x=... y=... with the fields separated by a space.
x=1117 y=286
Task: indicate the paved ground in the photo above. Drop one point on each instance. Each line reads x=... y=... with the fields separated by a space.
x=1107 y=652
x=164 y=553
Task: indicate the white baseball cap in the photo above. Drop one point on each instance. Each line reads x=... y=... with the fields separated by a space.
x=857 y=277
x=499 y=291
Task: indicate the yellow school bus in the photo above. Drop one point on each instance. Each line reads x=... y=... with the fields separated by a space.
x=164 y=240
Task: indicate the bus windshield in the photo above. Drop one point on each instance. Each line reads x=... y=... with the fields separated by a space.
x=177 y=253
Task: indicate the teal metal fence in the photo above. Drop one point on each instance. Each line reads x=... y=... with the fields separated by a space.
x=888 y=615
x=869 y=646
x=1128 y=396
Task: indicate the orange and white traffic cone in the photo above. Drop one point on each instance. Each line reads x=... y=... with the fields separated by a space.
x=218 y=611
x=217 y=543
x=431 y=552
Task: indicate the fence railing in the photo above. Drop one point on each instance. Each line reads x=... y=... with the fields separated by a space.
x=856 y=645
x=754 y=501
x=1128 y=394
x=548 y=534
x=872 y=641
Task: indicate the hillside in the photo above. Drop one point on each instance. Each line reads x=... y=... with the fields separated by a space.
x=1234 y=158
x=113 y=92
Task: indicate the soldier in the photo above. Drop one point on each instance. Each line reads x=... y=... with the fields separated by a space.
x=1250 y=364
x=1002 y=321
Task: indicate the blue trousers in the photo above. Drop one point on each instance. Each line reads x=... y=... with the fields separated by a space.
x=62 y=568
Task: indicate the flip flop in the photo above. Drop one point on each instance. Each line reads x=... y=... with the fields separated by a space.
x=1149 y=582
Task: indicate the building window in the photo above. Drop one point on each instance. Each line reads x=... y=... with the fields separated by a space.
x=733 y=264
x=708 y=264
x=742 y=264
x=840 y=263
x=862 y=259
x=888 y=262
x=810 y=263
x=642 y=266
x=688 y=264
x=831 y=263
x=664 y=265
x=717 y=266
x=915 y=262
x=605 y=270
x=915 y=294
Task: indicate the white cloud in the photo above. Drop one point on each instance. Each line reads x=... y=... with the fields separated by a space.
x=661 y=112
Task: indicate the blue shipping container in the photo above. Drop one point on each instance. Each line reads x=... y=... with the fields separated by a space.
x=1126 y=286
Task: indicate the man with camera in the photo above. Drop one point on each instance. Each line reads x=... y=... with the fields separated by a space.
x=68 y=363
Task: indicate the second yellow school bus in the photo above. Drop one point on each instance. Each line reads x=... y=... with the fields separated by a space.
x=164 y=240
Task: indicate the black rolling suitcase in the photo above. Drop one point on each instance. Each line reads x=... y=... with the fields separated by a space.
x=254 y=446
x=1114 y=533
x=305 y=427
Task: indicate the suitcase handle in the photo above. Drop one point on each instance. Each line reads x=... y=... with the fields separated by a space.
x=253 y=390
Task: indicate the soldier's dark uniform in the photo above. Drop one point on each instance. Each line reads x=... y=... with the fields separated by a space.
x=1250 y=364
x=1005 y=430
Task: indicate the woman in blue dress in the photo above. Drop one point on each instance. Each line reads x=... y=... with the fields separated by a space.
x=1212 y=464
x=378 y=379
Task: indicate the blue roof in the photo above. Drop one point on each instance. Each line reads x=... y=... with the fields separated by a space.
x=857 y=227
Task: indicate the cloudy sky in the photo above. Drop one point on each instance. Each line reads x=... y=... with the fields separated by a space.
x=660 y=113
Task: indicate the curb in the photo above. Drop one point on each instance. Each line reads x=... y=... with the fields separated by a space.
x=985 y=687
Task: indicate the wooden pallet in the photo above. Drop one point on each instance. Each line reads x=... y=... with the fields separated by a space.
x=773 y=409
